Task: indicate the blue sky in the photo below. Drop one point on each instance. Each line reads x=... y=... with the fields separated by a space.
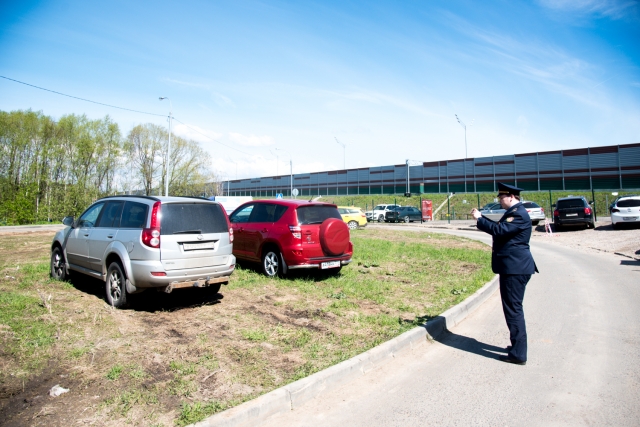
x=384 y=78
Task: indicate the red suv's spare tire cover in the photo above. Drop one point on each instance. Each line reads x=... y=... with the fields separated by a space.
x=334 y=236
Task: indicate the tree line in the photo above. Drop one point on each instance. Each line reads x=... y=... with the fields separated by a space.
x=50 y=169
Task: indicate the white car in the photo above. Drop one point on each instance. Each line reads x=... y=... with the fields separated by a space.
x=494 y=212
x=626 y=211
x=379 y=212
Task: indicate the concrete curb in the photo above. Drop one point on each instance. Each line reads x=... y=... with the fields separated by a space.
x=297 y=393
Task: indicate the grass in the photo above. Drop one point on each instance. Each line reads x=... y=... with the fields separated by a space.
x=195 y=359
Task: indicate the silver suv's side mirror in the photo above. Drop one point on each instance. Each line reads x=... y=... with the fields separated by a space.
x=68 y=221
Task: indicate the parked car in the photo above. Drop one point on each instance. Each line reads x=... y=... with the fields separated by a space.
x=535 y=211
x=573 y=210
x=378 y=213
x=494 y=211
x=626 y=211
x=289 y=234
x=352 y=216
x=134 y=243
x=405 y=213
x=489 y=206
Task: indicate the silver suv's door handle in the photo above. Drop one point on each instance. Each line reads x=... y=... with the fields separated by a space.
x=110 y=236
x=86 y=235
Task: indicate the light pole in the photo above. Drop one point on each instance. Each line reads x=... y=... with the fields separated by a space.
x=465 y=134
x=465 y=150
x=166 y=179
x=344 y=153
x=290 y=171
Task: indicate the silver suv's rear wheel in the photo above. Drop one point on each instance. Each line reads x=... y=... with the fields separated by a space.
x=116 y=290
x=380 y=218
x=271 y=265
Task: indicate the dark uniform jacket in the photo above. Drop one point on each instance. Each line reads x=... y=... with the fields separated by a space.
x=511 y=235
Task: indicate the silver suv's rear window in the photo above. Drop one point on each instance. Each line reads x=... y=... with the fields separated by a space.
x=316 y=214
x=192 y=218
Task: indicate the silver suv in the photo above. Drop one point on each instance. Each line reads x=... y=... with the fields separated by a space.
x=134 y=243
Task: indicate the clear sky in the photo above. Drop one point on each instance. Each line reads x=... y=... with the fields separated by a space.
x=383 y=78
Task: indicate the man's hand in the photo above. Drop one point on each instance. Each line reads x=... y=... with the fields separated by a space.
x=476 y=213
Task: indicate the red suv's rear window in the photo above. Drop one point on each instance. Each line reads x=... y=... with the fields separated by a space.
x=316 y=214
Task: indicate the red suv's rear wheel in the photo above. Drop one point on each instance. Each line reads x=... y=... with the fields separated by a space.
x=334 y=236
x=271 y=264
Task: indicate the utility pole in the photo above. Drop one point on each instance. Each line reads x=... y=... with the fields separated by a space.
x=166 y=184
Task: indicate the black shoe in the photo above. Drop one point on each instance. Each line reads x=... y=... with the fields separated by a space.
x=510 y=359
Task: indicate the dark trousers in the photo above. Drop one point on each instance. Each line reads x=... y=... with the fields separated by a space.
x=512 y=287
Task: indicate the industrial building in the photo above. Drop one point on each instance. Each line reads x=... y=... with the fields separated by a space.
x=608 y=167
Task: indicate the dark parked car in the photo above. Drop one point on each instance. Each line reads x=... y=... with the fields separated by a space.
x=573 y=210
x=405 y=213
x=289 y=234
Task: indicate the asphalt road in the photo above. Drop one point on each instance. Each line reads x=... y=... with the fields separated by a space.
x=583 y=370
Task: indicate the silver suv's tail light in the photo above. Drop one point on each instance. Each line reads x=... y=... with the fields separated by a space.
x=151 y=235
x=296 y=230
x=230 y=235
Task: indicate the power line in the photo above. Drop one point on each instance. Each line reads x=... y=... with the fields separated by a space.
x=126 y=109
x=82 y=99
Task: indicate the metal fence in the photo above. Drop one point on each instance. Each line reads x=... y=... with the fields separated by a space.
x=614 y=166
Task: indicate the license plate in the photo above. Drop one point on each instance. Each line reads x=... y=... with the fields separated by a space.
x=330 y=264
x=572 y=215
x=629 y=218
x=196 y=246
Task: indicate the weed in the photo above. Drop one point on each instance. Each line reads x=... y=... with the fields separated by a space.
x=193 y=412
x=182 y=387
x=115 y=372
x=181 y=368
x=254 y=334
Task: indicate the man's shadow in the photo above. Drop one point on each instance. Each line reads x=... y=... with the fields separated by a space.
x=470 y=345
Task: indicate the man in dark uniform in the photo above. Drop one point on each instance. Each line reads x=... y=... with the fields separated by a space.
x=512 y=260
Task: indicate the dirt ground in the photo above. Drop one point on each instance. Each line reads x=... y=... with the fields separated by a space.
x=171 y=355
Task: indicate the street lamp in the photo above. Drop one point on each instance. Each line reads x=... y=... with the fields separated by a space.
x=166 y=179
x=465 y=134
x=290 y=170
x=344 y=153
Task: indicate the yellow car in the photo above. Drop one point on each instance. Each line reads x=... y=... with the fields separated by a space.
x=354 y=217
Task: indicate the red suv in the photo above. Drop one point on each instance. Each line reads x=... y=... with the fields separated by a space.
x=291 y=234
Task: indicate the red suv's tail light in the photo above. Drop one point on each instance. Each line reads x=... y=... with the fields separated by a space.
x=296 y=231
x=587 y=211
x=151 y=235
x=556 y=213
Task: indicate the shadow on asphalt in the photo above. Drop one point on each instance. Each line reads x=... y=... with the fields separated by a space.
x=470 y=345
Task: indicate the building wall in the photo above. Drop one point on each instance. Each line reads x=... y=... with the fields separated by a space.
x=609 y=167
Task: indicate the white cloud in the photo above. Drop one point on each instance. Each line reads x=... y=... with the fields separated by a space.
x=251 y=140
x=195 y=133
x=614 y=9
x=218 y=98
